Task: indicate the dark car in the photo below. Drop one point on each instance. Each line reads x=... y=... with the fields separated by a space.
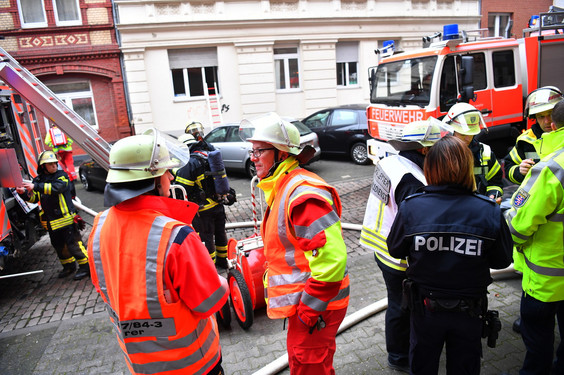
x=342 y=130
x=92 y=175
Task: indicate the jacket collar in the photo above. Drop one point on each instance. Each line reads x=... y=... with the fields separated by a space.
x=268 y=185
x=176 y=209
x=550 y=142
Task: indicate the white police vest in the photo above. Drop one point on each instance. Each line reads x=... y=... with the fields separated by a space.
x=381 y=208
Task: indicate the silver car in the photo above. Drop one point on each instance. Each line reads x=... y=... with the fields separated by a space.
x=235 y=152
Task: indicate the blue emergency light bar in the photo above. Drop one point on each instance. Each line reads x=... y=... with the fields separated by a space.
x=450 y=31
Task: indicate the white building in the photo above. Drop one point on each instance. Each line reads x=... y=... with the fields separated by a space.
x=289 y=56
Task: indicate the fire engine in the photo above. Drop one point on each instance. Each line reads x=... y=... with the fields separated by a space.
x=24 y=103
x=494 y=74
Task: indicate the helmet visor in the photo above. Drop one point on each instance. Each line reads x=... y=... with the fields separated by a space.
x=468 y=122
x=195 y=128
x=246 y=130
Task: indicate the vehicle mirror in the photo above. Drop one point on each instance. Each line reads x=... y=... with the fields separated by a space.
x=466 y=70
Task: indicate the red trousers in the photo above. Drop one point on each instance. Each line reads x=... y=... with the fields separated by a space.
x=67 y=163
x=312 y=354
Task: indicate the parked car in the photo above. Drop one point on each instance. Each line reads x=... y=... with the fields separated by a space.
x=92 y=175
x=235 y=151
x=342 y=130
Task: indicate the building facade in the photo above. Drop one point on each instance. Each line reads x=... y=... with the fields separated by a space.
x=71 y=46
x=497 y=13
x=289 y=56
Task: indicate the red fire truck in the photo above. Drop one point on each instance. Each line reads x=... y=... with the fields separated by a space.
x=493 y=74
x=26 y=104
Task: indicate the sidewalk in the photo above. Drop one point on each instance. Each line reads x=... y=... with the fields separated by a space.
x=53 y=326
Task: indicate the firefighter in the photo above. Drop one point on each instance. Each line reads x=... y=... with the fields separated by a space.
x=150 y=267
x=467 y=121
x=451 y=238
x=52 y=188
x=306 y=279
x=535 y=222
x=523 y=155
x=62 y=146
x=197 y=179
x=395 y=178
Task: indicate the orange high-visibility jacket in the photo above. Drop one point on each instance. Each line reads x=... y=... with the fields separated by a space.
x=128 y=249
x=288 y=268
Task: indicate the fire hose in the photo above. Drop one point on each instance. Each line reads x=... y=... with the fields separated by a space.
x=281 y=362
x=366 y=312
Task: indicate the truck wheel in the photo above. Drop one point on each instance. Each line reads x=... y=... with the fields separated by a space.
x=240 y=299
x=223 y=316
x=359 y=153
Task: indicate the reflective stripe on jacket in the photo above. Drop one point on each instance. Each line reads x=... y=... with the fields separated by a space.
x=128 y=250
x=487 y=171
x=288 y=267
x=381 y=208
x=536 y=222
x=523 y=149
x=54 y=193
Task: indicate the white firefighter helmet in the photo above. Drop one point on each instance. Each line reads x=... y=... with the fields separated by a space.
x=187 y=139
x=270 y=128
x=139 y=157
x=47 y=156
x=541 y=100
x=465 y=119
x=419 y=134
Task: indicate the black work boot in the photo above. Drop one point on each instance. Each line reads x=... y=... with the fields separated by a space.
x=517 y=325
x=83 y=271
x=221 y=262
x=68 y=269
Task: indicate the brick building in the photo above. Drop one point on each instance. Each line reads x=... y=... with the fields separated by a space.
x=496 y=13
x=71 y=46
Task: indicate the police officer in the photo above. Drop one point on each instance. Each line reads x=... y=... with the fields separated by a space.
x=467 y=122
x=196 y=178
x=536 y=224
x=523 y=155
x=395 y=178
x=451 y=238
x=151 y=269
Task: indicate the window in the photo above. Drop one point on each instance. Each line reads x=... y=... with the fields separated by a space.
x=194 y=71
x=479 y=71
x=347 y=63
x=318 y=120
x=503 y=69
x=344 y=117
x=218 y=135
x=286 y=68
x=32 y=13
x=78 y=96
x=404 y=82
x=497 y=22
x=67 y=12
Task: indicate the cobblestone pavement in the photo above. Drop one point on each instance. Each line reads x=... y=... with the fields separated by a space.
x=54 y=326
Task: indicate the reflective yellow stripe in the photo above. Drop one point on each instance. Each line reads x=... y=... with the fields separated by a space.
x=184 y=181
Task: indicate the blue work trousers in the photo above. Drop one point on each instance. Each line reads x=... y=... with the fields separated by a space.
x=461 y=333
x=537 y=330
x=397 y=320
